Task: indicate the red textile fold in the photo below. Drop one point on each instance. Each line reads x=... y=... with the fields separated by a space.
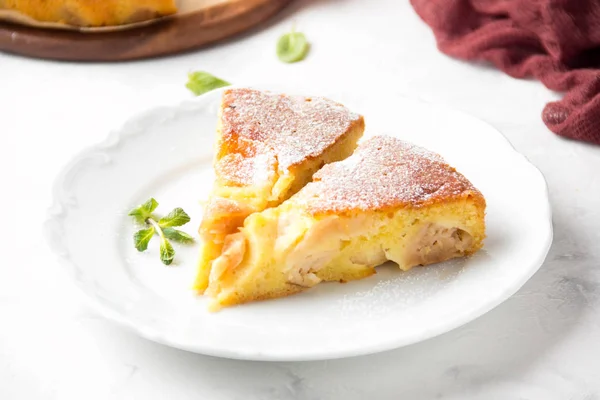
x=554 y=41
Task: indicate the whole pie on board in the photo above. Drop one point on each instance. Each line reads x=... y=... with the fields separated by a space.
x=91 y=13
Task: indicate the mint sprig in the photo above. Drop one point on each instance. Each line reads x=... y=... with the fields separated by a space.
x=163 y=227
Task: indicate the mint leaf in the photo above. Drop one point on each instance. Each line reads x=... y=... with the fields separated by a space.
x=167 y=253
x=177 y=235
x=177 y=217
x=163 y=227
x=292 y=47
x=144 y=211
x=142 y=238
x=201 y=82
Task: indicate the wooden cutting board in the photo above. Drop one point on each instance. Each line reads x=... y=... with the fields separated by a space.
x=174 y=34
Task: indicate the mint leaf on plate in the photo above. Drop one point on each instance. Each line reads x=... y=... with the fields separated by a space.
x=177 y=217
x=167 y=253
x=177 y=235
x=144 y=211
x=142 y=237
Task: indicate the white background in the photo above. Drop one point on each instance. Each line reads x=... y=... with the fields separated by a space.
x=544 y=343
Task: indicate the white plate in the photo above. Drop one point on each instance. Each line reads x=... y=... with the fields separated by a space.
x=167 y=153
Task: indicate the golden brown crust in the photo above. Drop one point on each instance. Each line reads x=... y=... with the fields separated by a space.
x=236 y=298
x=250 y=164
x=92 y=12
x=385 y=172
x=275 y=128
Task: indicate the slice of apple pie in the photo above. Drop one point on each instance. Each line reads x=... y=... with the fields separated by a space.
x=268 y=147
x=391 y=200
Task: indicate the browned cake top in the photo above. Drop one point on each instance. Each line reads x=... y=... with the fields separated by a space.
x=255 y=164
x=93 y=13
x=384 y=172
x=292 y=128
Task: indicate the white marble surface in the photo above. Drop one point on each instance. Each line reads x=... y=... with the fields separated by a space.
x=541 y=344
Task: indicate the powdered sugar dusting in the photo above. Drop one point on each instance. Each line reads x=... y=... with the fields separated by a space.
x=399 y=291
x=292 y=128
x=253 y=167
x=383 y=172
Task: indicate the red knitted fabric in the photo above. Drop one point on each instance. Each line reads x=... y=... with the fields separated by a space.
x=555 y=41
